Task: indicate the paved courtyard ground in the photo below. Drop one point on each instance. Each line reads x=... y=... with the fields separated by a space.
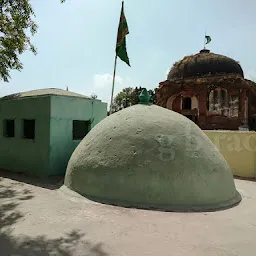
x=39 y=219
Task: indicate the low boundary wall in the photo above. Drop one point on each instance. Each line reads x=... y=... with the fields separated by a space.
x=239 y=150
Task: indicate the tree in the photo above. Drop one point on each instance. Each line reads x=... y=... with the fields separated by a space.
x=136 y=95
x=130 y=96
x=16 y=27
x=94 y=96
x=123 y=99
x=15 y=19
x=152 y=94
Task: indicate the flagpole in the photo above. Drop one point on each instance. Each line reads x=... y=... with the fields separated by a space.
x=204 y=39
x=113 y=85
x=121 y=33
x=114 y=75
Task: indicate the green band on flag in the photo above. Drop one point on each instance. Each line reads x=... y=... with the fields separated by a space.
x=123 y=31
x=208 y=39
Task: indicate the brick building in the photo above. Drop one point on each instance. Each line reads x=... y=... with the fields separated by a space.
x=211 y=90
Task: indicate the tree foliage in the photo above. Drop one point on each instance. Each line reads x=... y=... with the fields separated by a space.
x=123 y=99
x=94 y=96
x=17 y=25
x=152 y=93
x=16 y=20
x=130 y=96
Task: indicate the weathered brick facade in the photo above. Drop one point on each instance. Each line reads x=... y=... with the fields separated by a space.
x=218 y=99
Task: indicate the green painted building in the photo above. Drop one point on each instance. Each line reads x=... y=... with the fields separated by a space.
x=40 y=129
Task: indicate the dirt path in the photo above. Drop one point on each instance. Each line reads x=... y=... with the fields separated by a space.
x=41 y=220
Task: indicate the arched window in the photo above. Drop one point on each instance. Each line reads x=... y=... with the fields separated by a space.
x=187 y=103
x=212 y=100
x=234 y=105
x=218 y=101
x=215 y=97
x=223 y=95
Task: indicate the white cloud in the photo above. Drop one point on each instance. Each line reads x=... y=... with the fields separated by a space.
x=102 y=86
x=105 y=80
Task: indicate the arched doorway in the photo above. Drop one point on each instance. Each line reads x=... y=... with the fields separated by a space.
x=187 y=103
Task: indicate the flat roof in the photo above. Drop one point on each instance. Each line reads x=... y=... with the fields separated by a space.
x=44 y=92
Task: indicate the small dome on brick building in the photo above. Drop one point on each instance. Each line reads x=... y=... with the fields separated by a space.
x=204 y=63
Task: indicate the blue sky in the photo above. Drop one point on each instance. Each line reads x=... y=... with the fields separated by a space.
x=76 y=42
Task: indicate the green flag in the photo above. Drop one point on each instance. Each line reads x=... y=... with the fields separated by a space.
x=208 y=39
x=121 y=38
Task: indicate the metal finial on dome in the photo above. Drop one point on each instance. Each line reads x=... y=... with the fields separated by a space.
x=144 y=97
x=205 y=51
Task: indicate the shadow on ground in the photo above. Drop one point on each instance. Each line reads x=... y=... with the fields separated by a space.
x=68 y=245
x=12 y=195
x=49 y=183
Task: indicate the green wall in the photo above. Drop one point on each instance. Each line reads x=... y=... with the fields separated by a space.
x=25 y=155
x=49 y=153
x=63 y=111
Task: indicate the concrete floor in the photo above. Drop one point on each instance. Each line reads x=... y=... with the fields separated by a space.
x=38 y=219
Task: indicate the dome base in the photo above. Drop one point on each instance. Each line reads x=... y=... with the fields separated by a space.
x=169 y=207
